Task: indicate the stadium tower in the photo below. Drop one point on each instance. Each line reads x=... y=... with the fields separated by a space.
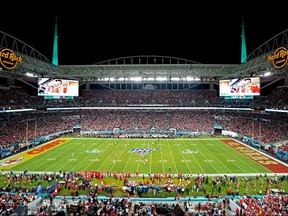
x=243 y=44
x=55 y=45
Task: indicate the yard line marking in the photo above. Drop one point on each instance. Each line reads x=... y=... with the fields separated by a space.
x=163 y=169
x=211 y=164
x=184 y=158
x=258 y=157
x=195 y=144
x=172 y=156
x=213 y=155
x=68 y=155
x=127 y=162
x=34 y=152
x=239 y=159
x=107 y=158
x=91 y=146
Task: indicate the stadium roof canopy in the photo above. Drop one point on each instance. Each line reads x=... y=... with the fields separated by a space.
x=145 y=67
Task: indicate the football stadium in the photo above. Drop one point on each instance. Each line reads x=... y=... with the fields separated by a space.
x=143 y=135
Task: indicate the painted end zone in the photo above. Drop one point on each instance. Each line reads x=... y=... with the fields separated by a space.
x=260 y=158
x=27 y=155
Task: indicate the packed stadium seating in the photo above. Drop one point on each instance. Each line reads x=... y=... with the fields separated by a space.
x=17 y=127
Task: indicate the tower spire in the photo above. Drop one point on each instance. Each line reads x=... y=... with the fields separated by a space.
x=243 y=44
x=55 y=45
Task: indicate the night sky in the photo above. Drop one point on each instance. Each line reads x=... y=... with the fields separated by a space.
x=92 y=32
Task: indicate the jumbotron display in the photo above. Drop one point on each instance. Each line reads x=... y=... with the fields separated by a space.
x=57 y=87
x=241 y=87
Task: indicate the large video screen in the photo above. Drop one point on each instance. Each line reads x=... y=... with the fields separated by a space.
x=57 y=87
x=249 y=86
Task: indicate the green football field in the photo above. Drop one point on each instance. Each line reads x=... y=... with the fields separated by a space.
x=186 y=156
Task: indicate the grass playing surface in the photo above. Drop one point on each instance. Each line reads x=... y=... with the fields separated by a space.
x=186 y=156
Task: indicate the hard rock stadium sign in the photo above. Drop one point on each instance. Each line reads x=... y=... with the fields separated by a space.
x=280 y=57
x=8 y=59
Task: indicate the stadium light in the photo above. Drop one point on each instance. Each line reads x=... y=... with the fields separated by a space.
x=189 y=78
x=30 y=74
x=161 y=78
x=136 y=78
x=175 y=79
x=268 y=73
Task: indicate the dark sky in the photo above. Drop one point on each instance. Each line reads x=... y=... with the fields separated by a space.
x=93 y=32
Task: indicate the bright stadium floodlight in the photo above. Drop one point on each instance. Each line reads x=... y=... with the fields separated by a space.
x=112 y=79
x=190 y=78
x=136 y=78
x=121 y=79
x=175 y=78
x=30 y=74
x=161 y=78
x=268 y=73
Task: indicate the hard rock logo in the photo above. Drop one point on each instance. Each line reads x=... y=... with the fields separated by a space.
x=8 y=59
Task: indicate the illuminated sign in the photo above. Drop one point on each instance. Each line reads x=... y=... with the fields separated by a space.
x=239 y=88
x=280 y=57
x=57 y=87
x=8 y=59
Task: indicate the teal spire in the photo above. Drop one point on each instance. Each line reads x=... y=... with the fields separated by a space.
x=243 y=44
x=55 y=46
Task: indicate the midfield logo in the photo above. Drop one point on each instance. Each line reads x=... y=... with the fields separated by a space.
x=142 y=151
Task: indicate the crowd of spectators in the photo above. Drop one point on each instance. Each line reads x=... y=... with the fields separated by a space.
x=17 y=97
x=51 y=203
x=265 y=206
x=20 y=127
